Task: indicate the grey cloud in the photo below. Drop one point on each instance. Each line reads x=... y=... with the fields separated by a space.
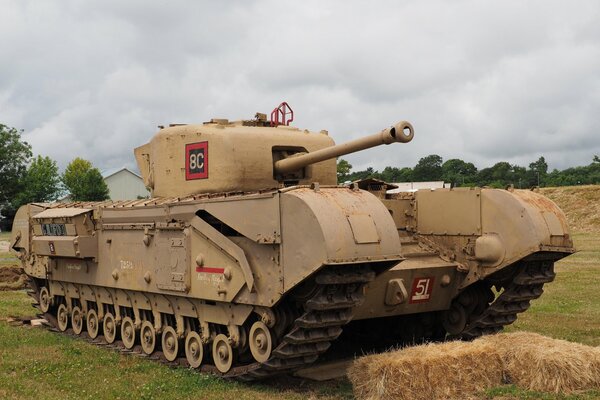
x=480 y=81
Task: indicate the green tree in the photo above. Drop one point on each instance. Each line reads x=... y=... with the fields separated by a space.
x=428 y=169
x=343 y=169
x=84 y=182
x=458 y=172
x=358 y=175
x=519 y=177
x=41 y=182
x=537 y=172
x=498 y=175
x=405 y=175
x=14 y=156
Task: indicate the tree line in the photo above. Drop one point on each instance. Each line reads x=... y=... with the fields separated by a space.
x=463 y=173
x=27 y=179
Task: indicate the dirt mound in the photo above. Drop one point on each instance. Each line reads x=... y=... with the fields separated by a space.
x=462 y=370
x=12 y=277
x=581 y=205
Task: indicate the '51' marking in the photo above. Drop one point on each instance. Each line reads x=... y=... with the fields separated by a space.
x=421 y=290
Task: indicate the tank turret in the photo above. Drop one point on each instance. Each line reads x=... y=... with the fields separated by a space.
x=223 y=156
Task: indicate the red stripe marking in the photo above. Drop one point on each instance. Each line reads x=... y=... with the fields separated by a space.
x=210 y=270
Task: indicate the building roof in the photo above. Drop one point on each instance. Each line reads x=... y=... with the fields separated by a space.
x=377 y=184
x=414 y=186
x=112 y=171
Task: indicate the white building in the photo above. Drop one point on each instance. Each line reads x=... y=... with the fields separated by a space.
x=414 y=186
x=124 y=184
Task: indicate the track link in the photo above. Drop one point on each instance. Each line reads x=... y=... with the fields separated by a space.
x=526 y=285
x=310 y=335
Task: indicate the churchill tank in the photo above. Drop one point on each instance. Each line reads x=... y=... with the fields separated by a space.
x=249 y=260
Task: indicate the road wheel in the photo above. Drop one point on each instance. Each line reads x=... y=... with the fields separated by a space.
x=109 y=326
x=93 y=325
x=45 y=299
x=148 y=337
x=77 y=320
x=222 y=353
x=128 y=332
x=454 y=320
x=62 y=317
x=194 y=349
x=170 y=343
x=261 y=341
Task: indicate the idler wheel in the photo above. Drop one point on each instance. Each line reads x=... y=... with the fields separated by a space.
x=148 y=337
x=77 y=320
x=455 y=319
x=128 y=332
x=194 y=349
x=62 y=317
x=93 y=325
x=222 y=353
x=170 y=343
x=45 y=299
x=261 y=342
x=109 y=325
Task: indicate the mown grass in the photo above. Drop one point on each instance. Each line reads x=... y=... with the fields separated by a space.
x=507 y=392
x=6 y=258
x=570 y=306
x=35 y=363
x=7 y=263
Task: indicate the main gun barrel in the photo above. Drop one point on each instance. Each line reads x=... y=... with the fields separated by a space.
x=402 y=132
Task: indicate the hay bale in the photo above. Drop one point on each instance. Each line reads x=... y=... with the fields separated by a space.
x=450 y=370
x=540 y=363
x=463 y=370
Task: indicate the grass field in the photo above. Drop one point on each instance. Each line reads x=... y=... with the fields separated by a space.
x=570 y=306
x=5 y=257
x=35 y=363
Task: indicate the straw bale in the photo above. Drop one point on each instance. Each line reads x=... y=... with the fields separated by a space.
x=452 y=370
x=463 y=370
x=540 y=363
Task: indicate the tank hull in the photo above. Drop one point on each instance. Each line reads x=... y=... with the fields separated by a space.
x=211 y=271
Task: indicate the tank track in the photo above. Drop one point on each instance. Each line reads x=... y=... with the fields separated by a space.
x=336 y=293
x=516 y=298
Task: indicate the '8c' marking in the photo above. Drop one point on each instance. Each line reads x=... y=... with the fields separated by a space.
x=196 y=160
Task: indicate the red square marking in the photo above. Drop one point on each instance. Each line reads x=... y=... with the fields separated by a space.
x=421 y=290
x=196 y=161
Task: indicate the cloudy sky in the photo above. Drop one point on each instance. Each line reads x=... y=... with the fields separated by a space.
x=482 y=81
